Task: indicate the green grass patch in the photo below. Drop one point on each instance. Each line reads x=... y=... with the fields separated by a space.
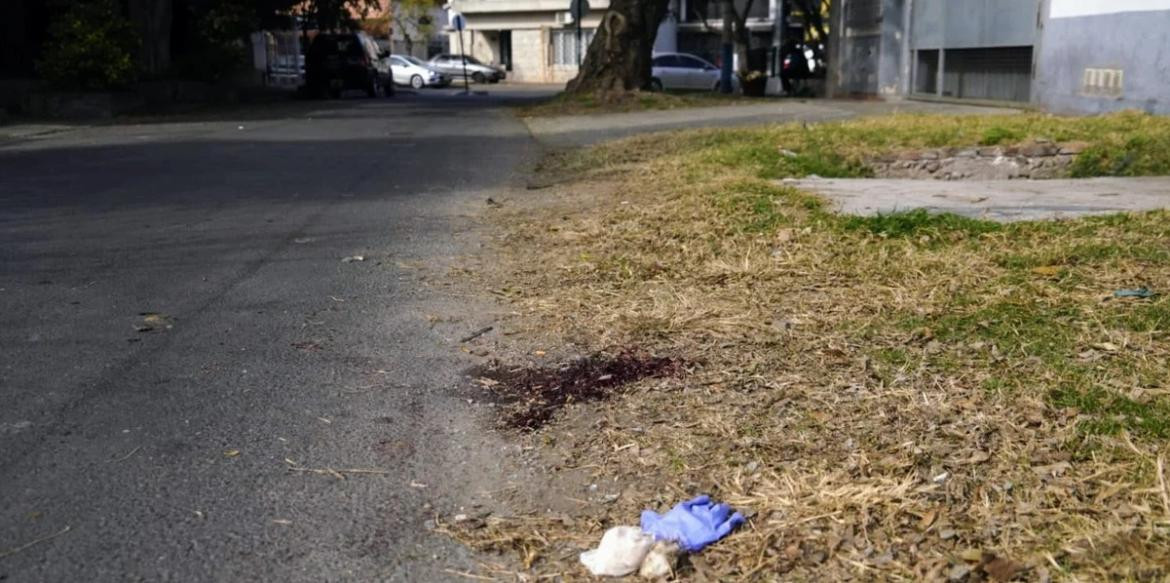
x=1094 y=253
x=1142 y=154
x=1111 y=413
x=1121 y=144
x=1143 y=317
x=918 y=223
x=1018 y=327
x=755 y=206
x=996 y=135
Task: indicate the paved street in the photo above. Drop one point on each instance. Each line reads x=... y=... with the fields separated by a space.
x=156 y=447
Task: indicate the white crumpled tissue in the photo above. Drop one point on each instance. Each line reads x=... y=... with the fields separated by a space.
x=620 y=553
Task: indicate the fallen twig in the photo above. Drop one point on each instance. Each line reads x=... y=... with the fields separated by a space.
x=125 y=457
x=468 y=575
x=1162 y=483
x=478 y=333
x=13 y=551
x=336 y=473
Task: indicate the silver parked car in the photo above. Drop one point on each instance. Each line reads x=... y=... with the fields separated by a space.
x=408 y=70
x=683 y=71
x=477 y=71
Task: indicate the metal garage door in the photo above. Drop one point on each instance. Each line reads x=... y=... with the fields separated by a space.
x=862 y=35
x=974 y=49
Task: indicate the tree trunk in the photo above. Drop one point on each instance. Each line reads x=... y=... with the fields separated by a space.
x=726 y=72
x=619 y=56
x=743 y=38
x=743 y=42
x=153 y=19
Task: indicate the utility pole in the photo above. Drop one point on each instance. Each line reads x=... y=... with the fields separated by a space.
x=577 y=19
x=728 y=47
x=460 y=23
x=579 y=8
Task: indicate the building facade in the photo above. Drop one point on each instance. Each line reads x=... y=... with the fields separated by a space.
x=1104 y=55
x=1085 y=56
x=536 y=40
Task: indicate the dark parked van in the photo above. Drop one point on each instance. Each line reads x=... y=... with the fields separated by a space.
x=337 y=62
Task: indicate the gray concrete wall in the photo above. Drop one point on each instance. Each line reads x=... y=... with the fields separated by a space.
x=855 y=46
x=893 y=39
x=1137 y=43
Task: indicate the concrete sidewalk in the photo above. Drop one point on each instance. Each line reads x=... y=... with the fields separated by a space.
x=582 y=130
x=997 y=200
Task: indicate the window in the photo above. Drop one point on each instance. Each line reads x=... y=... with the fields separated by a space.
x=691 y=63
x=667 y=61
x=564 y=45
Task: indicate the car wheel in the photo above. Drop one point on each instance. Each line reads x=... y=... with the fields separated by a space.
x=376 y=88
x=477 y=77
x=416 y=82
x=656 y=85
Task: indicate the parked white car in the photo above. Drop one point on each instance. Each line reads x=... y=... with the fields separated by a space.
x=408 y=70
x=683 y=71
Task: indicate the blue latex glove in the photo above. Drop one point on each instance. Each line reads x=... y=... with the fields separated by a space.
x=693 y=524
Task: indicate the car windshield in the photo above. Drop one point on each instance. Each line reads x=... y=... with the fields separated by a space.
x=472 y=61
x=414 y=60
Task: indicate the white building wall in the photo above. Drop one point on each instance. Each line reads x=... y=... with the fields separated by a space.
x=529 y=55
x=1099 y=56
x=1075 y=8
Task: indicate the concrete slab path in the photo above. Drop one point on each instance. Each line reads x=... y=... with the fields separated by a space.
x=997 y=200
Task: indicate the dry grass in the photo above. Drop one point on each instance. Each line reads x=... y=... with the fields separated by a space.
x=912 y=397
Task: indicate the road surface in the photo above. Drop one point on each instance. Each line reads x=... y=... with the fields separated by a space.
x=183 y=344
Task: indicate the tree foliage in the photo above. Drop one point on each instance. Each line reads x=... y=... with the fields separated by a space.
x=215 y=41
x=814 y=13
x=338 y=14
x=91 y=46
x=413 y=20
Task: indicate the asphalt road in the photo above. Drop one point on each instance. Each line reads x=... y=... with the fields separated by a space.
x=158 y=448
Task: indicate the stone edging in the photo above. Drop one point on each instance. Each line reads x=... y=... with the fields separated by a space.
x=1036 y=160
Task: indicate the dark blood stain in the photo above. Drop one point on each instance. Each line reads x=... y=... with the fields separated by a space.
x=534 y=395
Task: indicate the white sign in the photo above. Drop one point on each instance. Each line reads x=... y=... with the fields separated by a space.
x=458 y=22
x=1075 y=8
